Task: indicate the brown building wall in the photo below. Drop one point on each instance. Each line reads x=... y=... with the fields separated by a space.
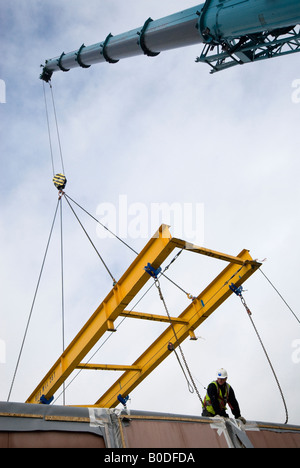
x=55 y=439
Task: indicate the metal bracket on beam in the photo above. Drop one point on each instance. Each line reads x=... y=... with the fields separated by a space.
x=192 y=335
x=110 y=326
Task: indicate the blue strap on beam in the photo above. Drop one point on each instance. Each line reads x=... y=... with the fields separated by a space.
x=152 y=271
x=44 y=401
x=123 y=400
x=236 y=290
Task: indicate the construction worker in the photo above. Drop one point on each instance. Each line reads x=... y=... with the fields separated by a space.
x=219 y=393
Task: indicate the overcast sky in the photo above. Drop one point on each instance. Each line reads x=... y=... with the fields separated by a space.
x=145 y=132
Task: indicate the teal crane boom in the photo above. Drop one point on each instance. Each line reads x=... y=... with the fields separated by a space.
x=234 y=32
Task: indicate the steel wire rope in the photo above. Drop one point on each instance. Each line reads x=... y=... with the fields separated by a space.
x=217 y=292
x=33 y=303
x=97 y=221
x=48 y=126
x=95 y=248
x=194 y=386
x=273 y=371
x=60 y=204
x=57 y=129
x=238 y=292
x=62 y=287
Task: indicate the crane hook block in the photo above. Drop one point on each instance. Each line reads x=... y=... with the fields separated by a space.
x=60 y=181
x=152 y=271
x=46 y=75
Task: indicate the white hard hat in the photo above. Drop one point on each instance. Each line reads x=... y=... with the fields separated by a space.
x=222 y=373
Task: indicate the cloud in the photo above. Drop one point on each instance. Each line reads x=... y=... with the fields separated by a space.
x=157 y=130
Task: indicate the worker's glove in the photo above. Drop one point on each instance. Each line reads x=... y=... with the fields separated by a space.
x=223 y=415
x=243 y=420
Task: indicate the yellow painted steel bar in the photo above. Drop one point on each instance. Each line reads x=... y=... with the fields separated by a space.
x=198 y=311
x=155 y=252
x=109 y=367
x=209 y=253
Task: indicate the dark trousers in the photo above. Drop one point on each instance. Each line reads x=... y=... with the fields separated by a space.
x=206 y=414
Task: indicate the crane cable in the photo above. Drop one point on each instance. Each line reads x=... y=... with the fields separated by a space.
x=239 y=293
x=95 y=248
x=192 y=387
x=49 y=238
x=57 y=129
x=33 y=303
x=49 y=132
x=101 y=224
x=56 y=126
x=62 y=289
x=280 y=295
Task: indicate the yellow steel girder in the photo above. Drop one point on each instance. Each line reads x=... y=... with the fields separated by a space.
x=155 y=252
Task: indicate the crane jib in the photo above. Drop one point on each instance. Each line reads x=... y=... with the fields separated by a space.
x=236 y=31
